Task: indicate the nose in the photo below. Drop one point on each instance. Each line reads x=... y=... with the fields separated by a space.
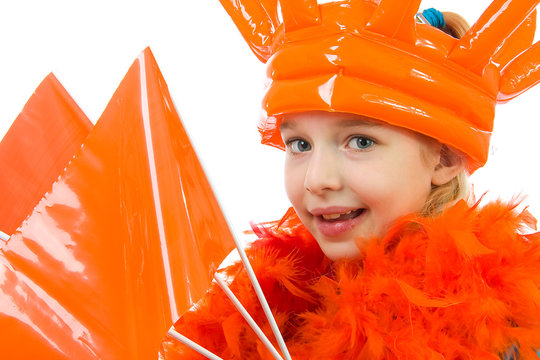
x=323 y=172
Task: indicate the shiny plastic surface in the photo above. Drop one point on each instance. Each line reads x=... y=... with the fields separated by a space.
x=124 y=242
x=257 y=20
x=36 y=148
x=372 y=59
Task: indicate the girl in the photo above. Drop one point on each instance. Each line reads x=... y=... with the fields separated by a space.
x=380 y=256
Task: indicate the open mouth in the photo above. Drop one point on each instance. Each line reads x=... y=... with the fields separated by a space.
x=342 y=217
x=337 y=224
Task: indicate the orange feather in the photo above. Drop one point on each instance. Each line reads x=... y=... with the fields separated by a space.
x=463 y=285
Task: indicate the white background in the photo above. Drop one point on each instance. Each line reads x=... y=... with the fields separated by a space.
x=216 y=83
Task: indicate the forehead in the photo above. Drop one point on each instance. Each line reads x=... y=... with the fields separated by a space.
x=294 y=120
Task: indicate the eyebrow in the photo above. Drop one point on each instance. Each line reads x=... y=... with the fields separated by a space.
x=343 y=123
x=360 y=122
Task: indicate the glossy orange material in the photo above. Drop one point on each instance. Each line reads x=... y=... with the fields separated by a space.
x=257 y=20
x=372 y=59
x=36 y=148
x=126 y=240
x=298 y=14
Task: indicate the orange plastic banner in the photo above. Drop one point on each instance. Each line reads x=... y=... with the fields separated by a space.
x=36 y=148
x=124 y=242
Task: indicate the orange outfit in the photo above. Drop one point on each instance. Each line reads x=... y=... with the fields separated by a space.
x=462 y=285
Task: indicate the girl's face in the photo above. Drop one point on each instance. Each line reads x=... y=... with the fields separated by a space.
x=349 y=178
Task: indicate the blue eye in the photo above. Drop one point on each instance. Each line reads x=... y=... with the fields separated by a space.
x=298 y=146
x=360 y=142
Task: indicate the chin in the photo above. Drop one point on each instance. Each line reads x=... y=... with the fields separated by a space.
x=338 y=251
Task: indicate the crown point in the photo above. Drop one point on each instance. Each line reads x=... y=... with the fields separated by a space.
x=299 y=14
x=395 y=19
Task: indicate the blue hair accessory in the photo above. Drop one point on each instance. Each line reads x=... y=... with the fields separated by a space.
x=434 y=18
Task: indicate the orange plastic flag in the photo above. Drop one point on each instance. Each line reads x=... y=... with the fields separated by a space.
x=124 y=242
x=36 y=148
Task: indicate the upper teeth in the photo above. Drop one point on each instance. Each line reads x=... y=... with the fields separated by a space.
x=334 y=216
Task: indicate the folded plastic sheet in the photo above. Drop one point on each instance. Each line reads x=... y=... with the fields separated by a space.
x=124 y=242
x=36 y=148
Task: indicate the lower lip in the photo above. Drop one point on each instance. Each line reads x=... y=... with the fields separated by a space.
x=336 y=228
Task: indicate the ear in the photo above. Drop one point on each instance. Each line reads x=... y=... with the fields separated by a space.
x=449 y=166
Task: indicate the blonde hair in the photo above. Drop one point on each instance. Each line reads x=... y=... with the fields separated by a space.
x=456 y=25
x=441 y=196
x=444 y=195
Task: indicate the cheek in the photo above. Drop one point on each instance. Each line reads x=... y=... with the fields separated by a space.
x=371 y=184
x=412 y=183
x=294 y=182
x=400 y=184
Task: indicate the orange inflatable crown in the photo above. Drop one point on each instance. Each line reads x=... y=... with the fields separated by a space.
x=371 y=58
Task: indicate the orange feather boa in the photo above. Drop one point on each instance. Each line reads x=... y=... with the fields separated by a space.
x=463 y=285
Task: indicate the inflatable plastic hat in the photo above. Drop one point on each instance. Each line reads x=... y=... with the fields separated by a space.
x=374 y=60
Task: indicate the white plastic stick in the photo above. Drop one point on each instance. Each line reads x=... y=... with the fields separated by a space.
x=253 y=279
x=247 y=317
x=4 y=236
x=193 y=345
x=261 y=297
